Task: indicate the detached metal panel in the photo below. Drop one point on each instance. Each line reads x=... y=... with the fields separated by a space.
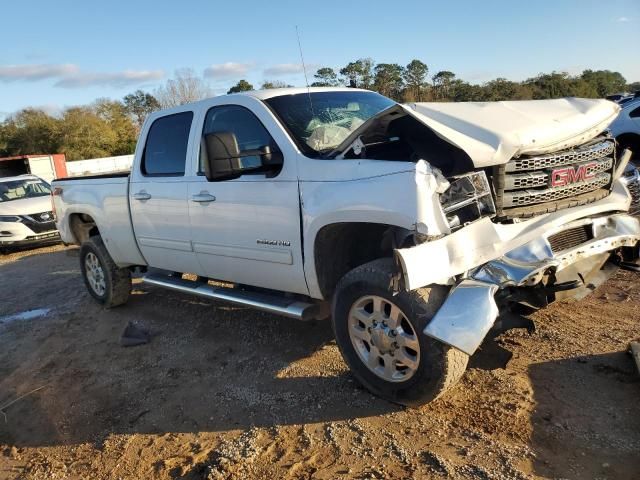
x=42 y=167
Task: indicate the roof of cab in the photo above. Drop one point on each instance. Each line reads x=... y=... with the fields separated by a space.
x=278 y=92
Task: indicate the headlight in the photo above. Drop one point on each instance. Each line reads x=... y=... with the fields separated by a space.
x=467 y=199
x=9 y=218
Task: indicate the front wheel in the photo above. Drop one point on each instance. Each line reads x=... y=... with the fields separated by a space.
x=106 y=282
x=379 y=333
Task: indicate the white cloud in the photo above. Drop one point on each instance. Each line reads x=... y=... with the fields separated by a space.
x=283 y=69
x=227 y=70
x=623 y=19
x=35 y=72
x=116 y=79
x=69 y=75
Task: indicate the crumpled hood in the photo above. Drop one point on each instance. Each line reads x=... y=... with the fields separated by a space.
x=26 y=206
x=493 y=132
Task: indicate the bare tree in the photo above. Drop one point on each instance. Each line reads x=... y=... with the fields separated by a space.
x=267 y=84
x=185 y=87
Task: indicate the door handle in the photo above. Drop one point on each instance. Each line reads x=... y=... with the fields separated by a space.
x=142 y=195
x=203 y=197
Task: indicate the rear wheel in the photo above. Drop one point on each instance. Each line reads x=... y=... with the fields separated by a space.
x=379 y=333
x=106 y=282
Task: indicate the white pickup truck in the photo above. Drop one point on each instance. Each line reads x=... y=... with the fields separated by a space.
x=417 y=228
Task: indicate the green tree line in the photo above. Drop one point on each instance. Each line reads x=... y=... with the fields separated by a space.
x=102 y=129
x=110 y=127
x=414 y=83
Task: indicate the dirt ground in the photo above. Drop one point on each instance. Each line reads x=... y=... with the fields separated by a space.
x=225 y=392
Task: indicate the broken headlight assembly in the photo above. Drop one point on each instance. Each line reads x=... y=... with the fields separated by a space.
x=468 y=198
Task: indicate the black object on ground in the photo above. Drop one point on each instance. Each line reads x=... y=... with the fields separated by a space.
x=134 y=334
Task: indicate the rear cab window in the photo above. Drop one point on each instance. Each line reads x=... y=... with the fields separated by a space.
x=165 y=150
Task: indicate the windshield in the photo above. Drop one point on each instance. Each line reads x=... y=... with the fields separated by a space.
x=27 y=188
x=320 y=121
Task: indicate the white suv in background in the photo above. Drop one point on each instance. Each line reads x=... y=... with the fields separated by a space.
x=25 y=212
x=626 y=129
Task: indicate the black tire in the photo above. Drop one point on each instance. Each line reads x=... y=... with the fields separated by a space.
x=117 y=281
x=439 y=366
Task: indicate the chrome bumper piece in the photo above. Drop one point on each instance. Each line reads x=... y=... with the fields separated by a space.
x=470 y=309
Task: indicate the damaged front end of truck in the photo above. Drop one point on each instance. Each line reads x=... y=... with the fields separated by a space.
x=532 y=206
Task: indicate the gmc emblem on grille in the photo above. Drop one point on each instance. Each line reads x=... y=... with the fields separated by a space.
x=568 y=175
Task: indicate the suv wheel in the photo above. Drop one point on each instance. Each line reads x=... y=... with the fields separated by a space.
x=379 y=333
x=106 y=282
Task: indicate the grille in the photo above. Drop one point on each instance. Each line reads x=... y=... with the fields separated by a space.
x=570 y=238
x=524 y=187
x=529 y=197
x=585 y=154
x=632 y=177
x=541 y=178
x=39 y=222
x=634 y=189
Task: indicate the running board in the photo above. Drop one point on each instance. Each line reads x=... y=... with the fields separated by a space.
x=279 y=305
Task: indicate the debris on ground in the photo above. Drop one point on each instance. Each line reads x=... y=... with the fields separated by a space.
x=134 y=334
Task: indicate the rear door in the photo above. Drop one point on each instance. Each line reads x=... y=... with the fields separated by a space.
x=247 y=229
x=158 y=194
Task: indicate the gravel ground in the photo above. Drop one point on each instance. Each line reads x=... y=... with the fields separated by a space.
x=224 y=392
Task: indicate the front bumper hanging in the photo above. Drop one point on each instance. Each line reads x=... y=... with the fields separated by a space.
x=470 y=310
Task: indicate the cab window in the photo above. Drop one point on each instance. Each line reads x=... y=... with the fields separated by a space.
x=165 y=152
x=250 y=133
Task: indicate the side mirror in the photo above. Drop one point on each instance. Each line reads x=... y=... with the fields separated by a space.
x=223 y=155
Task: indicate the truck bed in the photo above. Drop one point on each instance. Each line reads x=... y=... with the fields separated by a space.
x=122 y=174
x=104 y=199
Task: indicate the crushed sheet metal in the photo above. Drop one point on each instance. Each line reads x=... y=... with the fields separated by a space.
x=466 y=316
x=493 y=132
x=483 y=241
x=430 y=183
x=470 y=309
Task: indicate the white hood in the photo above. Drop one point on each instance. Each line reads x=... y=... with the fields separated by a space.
x=26 y=206
x=493 y=132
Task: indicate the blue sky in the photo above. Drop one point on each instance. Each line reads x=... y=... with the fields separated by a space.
x=63 y=53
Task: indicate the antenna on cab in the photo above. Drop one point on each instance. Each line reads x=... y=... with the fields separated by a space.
x=304 y=69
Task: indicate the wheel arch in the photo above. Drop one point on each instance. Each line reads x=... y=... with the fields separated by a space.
x=342 y=246
x=82 y=226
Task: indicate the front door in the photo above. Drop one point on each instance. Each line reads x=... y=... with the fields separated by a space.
x=247 y=230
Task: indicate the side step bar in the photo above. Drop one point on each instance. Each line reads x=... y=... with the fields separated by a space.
x=279 y=305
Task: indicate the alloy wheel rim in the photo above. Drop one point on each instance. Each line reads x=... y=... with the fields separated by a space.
x=384 y=338
x=95 y=273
